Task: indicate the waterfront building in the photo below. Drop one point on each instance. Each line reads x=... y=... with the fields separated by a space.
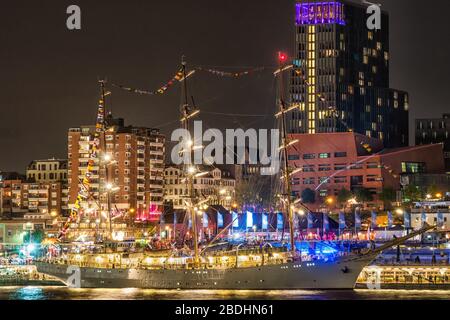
x=432 y=212
x=430 y=131
x=128 y=174
x=217 y=185
x=45 y=197
x=13 y=231
x=330 y=162
x=340 y=78
x=427 y=182
x=48 y=170
x=39 y=200
x=7 y=179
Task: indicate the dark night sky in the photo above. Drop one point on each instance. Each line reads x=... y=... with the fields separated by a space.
x=48 y=74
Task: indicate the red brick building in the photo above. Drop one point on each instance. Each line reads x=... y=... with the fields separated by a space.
x=330 y=162
x=136 y=167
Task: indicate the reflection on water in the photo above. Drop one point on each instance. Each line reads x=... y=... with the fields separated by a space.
x=62 y=293
x=28 y=293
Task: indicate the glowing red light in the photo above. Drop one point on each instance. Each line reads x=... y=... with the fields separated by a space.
x=282 y=57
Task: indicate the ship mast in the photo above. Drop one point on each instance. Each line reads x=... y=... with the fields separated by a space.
x=106 y=160
x=84 y=186
x=285 y=145
x=187 y=113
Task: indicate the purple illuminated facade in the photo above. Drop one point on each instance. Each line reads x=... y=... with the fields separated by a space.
x=331 y=12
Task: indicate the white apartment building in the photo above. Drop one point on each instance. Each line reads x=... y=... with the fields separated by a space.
x=217 y=185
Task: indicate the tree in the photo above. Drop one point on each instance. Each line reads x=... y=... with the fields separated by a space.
x=388 y=195
x=308 y=196
x=433 y=190
x=412 y=193
x=343 y=196
x=36 y=237
x=363 y=195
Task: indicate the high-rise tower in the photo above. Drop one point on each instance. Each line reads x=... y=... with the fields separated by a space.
x=341 y=74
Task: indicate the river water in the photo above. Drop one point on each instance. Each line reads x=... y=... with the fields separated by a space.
x=63 y=293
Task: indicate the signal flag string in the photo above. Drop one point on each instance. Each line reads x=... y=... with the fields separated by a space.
x=179 y=78
x=94 y=149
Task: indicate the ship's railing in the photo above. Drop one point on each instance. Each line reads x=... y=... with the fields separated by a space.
x=210 y=262
x=216 y=260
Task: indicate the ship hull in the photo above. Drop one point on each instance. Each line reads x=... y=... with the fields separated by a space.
x=331 y=275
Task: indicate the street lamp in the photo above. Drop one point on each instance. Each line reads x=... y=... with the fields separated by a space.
x=402 y=212
x=192 y=170
x=330 y=200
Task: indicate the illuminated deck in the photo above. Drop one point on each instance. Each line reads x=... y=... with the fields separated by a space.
x=405 y=277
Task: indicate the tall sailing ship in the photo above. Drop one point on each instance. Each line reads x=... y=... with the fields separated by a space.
x=263 y=267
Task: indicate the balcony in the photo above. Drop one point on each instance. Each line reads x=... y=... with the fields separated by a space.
x=157 y=144
x=157 y=161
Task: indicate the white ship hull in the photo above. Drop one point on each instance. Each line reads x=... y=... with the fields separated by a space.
x=338 y=274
